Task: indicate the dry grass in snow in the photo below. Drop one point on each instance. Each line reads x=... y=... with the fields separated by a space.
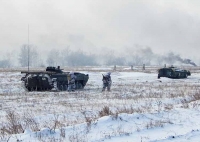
x=132 y=93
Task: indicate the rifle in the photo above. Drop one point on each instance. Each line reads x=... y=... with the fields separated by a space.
x=106 y=78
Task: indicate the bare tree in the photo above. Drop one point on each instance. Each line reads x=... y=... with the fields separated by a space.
x=64 y=55
x=5 y=63
x=80 y=58
x=33 y=56
x=23 y=56
x=6 y=60
x=53 y=58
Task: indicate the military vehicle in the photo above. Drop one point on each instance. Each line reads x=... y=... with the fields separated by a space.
x=173 y=72
x=51 y=79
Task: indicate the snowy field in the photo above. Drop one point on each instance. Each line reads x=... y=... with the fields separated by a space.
x=139 y=108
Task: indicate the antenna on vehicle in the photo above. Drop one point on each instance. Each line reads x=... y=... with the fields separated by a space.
x=28 y=47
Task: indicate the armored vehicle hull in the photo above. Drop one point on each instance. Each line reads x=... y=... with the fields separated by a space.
x=172 y=72
x=51 y=79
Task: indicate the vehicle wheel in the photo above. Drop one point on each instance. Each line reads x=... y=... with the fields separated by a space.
x=65 y=87
x=29 y=89
x=61 y=88
x=79 y=85
x=158 y=77
x=186 y=75
x=178 y=75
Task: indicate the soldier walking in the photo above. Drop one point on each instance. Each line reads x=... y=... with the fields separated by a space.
x=71 y=82
x=106 y=81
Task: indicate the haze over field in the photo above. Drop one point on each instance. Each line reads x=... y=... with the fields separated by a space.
x=97 y=37
x=117 y=26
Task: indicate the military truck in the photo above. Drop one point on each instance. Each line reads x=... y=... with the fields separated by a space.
x=172 y=72
x=51 y=79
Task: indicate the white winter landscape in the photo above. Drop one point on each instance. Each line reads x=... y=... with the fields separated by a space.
x=139 y=108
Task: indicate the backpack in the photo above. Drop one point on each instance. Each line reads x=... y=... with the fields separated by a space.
x=106 y=78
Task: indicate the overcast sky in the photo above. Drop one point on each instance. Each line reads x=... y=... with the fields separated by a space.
x=93 y=25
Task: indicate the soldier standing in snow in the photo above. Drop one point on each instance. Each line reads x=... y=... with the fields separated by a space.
x=106 y=81
x=71 y=81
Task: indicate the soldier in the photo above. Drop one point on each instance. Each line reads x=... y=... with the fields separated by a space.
x=55 y=84
x=71 y=81
x=106 y=81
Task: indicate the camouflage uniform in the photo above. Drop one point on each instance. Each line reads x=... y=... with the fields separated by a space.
x=107 y=81
x=71 y=82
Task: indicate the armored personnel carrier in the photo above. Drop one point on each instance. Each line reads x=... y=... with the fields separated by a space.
x=51 y=79
x=173 y=72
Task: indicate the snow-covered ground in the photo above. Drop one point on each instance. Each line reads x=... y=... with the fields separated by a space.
x=140 y=108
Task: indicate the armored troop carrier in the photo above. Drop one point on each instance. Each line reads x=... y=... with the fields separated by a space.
x=173 y=72
x=51 y=79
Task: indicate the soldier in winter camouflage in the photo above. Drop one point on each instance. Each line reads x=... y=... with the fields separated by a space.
x=71 y=82
x=106 y=81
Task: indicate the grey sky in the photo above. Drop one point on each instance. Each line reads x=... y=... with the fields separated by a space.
x=163 y=25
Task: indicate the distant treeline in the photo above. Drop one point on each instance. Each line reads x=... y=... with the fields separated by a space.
x=68 y=57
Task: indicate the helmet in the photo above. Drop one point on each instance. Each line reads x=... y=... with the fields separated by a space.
x=109 y=73
x=71 y=73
